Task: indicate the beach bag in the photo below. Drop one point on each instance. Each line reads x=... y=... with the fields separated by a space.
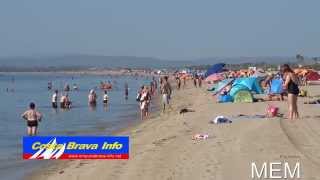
x=303 y=93
x=272 y=111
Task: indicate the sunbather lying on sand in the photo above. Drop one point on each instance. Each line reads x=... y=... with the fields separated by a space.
x=275 y=97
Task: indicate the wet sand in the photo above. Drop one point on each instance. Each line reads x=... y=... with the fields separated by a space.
x=162 y=147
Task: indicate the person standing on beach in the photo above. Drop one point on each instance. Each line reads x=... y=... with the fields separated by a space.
x=200 y=81
x=54 y=99
x=166 y=93
x=145 y=102
x=178 y=80
x=195 y=79
x=291 y=85
x=32 y=117
x=155 y=82
x=152 y=88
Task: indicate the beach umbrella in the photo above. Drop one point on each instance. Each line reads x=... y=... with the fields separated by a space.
x=217 y=68
x=215 y=77
x=313 y=76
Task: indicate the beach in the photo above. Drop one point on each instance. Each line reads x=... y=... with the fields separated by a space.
x=162 y=146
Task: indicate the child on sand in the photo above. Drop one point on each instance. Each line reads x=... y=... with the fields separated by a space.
x=32 y=116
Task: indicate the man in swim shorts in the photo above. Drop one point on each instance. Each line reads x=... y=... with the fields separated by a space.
x=32 y=117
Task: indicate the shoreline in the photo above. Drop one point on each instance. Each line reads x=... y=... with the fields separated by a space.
x=58 y=166
x=162 y=147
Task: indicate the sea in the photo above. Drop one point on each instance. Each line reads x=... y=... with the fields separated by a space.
x=17 y=90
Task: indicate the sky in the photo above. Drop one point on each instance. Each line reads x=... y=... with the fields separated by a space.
x=166 y=29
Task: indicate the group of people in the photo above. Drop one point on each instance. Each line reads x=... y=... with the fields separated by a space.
x=145 y=94
x=144 y=98
x=181 y=80
x=33 y=117
x=197 y=80
x=65 y=102
x=290 y=88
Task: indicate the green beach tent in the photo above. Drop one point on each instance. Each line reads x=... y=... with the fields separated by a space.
x=243 y=96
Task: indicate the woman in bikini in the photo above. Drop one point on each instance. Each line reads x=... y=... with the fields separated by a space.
x=32 y=117
x=291 y=85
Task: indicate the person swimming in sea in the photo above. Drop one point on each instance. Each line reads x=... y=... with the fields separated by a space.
x=67 y=88
x=75 y=87
x=92 y=98
x=65 y=102
x=126 y=90
x=49 y=86
x=32 y=116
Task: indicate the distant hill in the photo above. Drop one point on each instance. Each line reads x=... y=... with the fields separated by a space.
x=241 y=60
x=89 y=61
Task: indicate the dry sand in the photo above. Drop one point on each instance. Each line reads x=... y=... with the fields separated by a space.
x=162 y=147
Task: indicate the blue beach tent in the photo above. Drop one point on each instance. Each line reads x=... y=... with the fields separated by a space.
x=251 y=83
x=236 y=88
x=221 y=85
x=276 y=86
